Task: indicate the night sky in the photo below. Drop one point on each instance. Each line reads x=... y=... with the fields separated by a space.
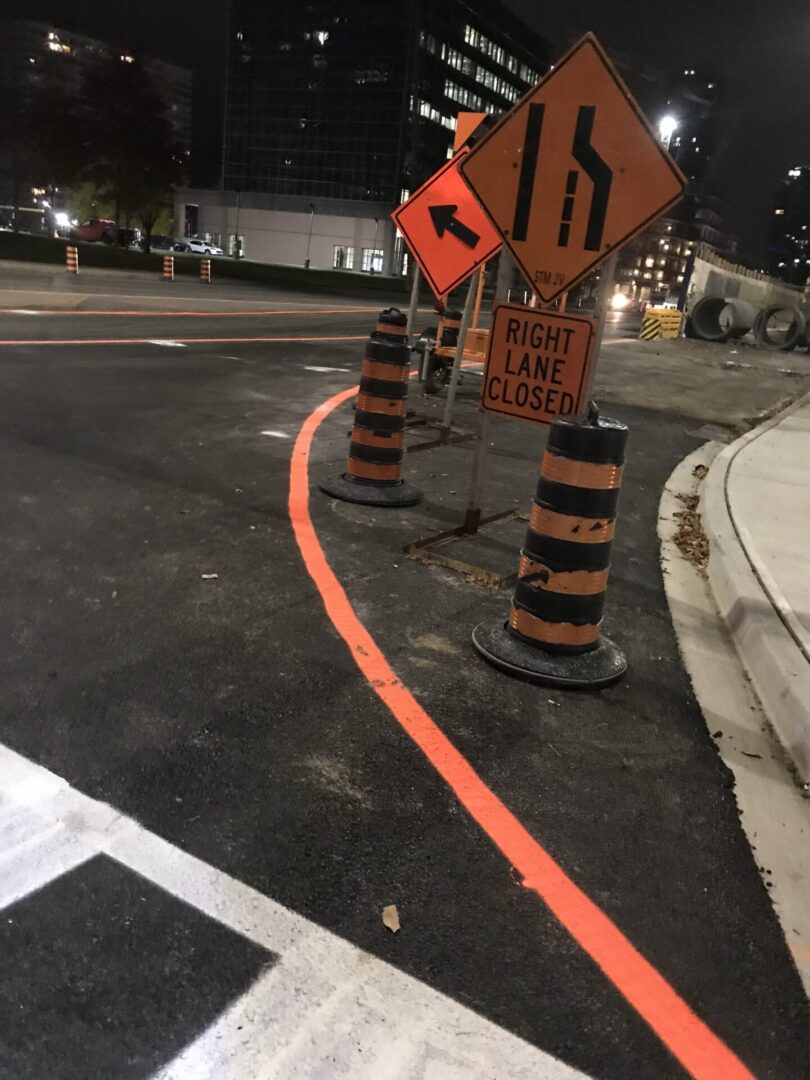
x=761 y=52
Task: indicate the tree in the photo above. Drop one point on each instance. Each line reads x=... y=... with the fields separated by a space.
x=132 y=155
x=39 y=125
x=86 y=201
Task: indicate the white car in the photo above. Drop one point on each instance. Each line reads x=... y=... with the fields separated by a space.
x=198 y=247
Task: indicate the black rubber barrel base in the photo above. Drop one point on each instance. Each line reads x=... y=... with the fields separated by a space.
x=401 y=494
x=600 y=667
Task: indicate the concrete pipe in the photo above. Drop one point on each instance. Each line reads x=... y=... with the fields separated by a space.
x=792 y=331
x=705 y=319
x=737 y=317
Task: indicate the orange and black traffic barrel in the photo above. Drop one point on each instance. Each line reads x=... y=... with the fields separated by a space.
x=72 y=259
x=373 y=474
x=554 y=633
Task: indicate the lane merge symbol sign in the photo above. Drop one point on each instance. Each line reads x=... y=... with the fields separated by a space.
x=573 y=172
x=446 y=230
x=537 y=364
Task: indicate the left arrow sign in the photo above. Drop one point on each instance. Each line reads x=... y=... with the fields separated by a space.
x=444 y=220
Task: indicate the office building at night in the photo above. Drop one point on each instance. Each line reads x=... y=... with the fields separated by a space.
x=29 y=46
x=653 y=266
x=337 y=110
x=789 y=228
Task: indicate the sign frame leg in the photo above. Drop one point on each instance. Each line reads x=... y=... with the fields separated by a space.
x=466 y=318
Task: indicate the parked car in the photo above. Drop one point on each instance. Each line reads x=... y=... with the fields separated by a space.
x=163 y=243
x=197 y=246
x=95 y=230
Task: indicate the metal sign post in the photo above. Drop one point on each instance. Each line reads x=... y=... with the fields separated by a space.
x=414 y=304
x=603 y=295
x=466 y=319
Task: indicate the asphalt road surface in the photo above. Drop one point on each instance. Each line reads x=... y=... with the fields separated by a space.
x=175 y=650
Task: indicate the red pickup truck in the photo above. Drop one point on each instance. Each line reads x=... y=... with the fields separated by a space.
x=104 y=230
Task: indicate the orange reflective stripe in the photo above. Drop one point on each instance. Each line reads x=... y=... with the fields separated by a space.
x=387 y=406
x=394 y=441
x=392 y=372
x=367 y=471
x=573 y=582
x=579 y=530
x=585 y=474
x=552 y=633
x=392 y=331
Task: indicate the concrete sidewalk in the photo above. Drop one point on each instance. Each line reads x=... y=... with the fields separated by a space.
x=756 y=512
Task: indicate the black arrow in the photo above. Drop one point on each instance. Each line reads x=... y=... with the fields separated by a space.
x=444 y=220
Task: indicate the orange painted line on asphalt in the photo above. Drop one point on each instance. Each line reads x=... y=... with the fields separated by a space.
x=192 y=314
x=702 y=1053
x=180 y=340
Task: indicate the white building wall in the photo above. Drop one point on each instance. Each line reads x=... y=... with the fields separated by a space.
x=282 y=237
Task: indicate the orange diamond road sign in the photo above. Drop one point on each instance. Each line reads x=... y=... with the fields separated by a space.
x=572 y=172
x=537 y=364
x=466 y=123
x=446 y=230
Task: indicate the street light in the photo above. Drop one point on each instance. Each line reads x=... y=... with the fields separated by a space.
x=667 y=126
x=309 y=237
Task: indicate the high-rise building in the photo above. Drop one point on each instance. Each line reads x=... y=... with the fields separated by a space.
x=789 y=230
x=692 y=102
x=346 y=106
x=654 y=265
x=27 y=45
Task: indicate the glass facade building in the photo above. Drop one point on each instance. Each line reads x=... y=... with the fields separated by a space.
x=357 y=99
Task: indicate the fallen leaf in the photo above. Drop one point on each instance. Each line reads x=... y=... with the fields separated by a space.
x=390 y=918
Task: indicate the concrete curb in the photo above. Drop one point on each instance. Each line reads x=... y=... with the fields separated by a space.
x=759 y=618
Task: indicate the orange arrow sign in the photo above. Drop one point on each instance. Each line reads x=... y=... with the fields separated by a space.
x=446 y=230
x=573 y=172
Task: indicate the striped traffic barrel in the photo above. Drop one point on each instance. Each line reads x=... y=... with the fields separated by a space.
x=72 y=259
x=205 y=271
x=168 y=267
x=373 y=473
x=554 y=632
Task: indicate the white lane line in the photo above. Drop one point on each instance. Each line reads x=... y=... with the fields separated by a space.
x=25 y=311
x=313 y=367
x=167 y=343
x=325 y=1009
x=276 y=434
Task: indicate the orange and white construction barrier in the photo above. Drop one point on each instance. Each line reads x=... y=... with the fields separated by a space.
x=554 y=631
x=205 y=271
x=168 y=267
x=72 y=259
x=373 y=473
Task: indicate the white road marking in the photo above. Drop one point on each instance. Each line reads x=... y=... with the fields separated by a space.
x=277 y=434
x=324 y=1010
x=312 y=367
x=167 y=343
x=25 y=311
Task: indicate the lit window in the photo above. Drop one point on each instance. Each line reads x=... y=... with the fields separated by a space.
x=404 y=195
x=649 y=262
x=321 y=36
x=372 y=260
x=127 y=59
x=660 y=275
x=779 y=211
x=343 y=258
